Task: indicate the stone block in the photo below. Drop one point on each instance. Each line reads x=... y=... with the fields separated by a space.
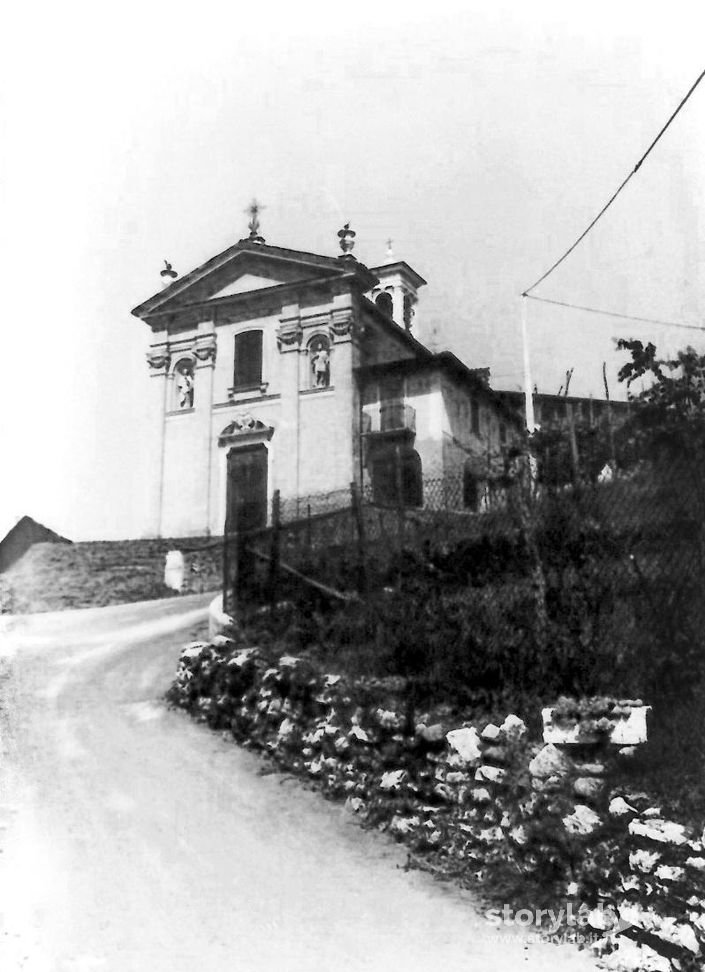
x=588 y=788
x=659 y=831
x=631 y=731
x=431 y=734
x=619 y=807
x=491 y=733
x=392 y=780
x=644 y=861
x=549 y=761
x=582 y=822
x=489 y=774
x=628 y=728
x=480 y=794
x=465 y=742
x=513 y=728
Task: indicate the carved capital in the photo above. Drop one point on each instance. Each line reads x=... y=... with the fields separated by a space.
x=289 y=334
x=344 y=325
x=206 y=349
x=158 y=360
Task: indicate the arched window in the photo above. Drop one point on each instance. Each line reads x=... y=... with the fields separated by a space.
x=248 y=361
x=385 y=303
x=319 y=360
x=183 y=384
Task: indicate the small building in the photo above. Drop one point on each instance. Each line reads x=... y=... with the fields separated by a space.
x=279 y=369
x=554 y=410
x=24 y=534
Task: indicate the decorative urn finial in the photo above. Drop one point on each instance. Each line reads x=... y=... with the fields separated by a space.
x=167 y=274
x=253 y=211
x=389 y=255
x=347 y=242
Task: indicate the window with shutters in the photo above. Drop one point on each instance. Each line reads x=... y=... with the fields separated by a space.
x=248 y=360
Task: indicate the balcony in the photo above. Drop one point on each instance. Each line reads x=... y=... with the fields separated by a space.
x=392 y=419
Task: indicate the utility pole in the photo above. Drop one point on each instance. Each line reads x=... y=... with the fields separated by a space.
x=528 y=390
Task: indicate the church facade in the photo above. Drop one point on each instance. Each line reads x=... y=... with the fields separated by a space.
x=276 y=369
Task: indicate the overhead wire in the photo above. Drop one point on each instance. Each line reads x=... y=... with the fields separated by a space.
x=622 y=185
x=608 y=313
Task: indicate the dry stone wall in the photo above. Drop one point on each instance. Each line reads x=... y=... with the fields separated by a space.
x=485 y=803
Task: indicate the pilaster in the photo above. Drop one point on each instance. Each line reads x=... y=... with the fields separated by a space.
x=287 y=469
x=158 y=362
x=346 y=333
x=205 y=350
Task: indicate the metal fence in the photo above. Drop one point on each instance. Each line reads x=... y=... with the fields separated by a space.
x=632 y=543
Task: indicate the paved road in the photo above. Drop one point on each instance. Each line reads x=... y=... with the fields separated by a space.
x=134 y=840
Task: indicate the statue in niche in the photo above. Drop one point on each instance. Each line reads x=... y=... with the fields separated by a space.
x=184 y=384
x=320 y=362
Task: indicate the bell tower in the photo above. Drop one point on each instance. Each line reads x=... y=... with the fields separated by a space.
x=397 y=291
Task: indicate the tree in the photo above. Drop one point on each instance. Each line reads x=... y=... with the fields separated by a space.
x=668 y=420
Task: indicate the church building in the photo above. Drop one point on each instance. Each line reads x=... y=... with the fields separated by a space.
x=276 y=369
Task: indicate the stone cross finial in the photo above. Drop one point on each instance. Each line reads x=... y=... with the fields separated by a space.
x=253 y=210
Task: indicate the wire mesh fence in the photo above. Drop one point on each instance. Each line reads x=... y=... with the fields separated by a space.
x=610 y=561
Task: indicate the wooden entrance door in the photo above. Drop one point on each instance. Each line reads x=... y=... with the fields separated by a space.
x=247 y=488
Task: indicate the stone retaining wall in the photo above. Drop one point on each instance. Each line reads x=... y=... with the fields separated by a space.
x=482 y=802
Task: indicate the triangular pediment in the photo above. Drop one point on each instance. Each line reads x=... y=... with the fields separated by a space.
x=245 y=283
x=246 y=267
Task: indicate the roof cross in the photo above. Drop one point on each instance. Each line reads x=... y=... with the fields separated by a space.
x=253 y=211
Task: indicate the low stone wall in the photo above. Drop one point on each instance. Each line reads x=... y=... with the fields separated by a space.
x=485 y=803
x=53 y=577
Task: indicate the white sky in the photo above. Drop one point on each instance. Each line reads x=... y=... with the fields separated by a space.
x=481 y=136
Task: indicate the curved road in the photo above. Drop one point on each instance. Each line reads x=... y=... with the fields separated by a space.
x=134 y=840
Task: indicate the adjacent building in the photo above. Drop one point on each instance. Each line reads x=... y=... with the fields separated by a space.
x=23 y=535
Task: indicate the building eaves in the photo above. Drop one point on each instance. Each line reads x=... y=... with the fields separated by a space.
x=395 y=330
x=261 y=293
x=336 y=265
x=416 y=279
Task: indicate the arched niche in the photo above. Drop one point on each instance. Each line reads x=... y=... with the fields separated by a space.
x=183 y=382
x=319 y=361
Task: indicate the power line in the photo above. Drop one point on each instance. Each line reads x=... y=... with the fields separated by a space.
x=607 y=313
x=615 y=194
